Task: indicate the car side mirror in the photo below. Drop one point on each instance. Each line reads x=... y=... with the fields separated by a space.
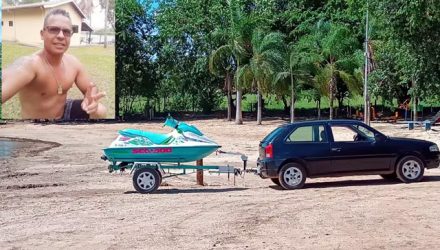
x=379 y=137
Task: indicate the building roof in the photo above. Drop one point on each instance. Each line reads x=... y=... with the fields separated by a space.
x=85 y=26
x=46 y=5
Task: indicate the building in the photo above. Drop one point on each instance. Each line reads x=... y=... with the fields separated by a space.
x=22 y=23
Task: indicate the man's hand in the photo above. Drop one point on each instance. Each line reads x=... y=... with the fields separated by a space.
x=91 y=99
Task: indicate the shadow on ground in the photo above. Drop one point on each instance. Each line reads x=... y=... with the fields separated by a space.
x=351 y=183
x=192 y=190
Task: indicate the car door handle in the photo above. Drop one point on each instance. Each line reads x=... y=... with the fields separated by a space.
x=336 y=149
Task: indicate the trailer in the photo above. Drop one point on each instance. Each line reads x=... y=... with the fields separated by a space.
x=148 y=176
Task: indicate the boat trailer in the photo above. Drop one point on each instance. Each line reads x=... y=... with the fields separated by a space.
x=148 y=176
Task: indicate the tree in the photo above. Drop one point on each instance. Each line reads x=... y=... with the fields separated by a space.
x=109 y=6
x=86 y=6
x=295 y=70
x=236 y=47
x=135 y=47
x=222 y=61
x=332 y=48
x=411 y=28
x=267 y=56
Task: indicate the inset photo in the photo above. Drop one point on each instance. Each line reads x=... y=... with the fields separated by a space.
x=58 y=60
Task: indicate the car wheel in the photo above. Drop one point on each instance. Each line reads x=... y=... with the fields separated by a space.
x=410 y=169
x=389 y=177
x=292 y=176
x=276 y=181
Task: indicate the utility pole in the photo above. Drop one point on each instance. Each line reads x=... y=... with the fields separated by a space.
x=367 y=56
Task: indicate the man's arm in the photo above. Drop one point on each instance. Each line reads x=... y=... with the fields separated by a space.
x=90 y=103
x=17 y=76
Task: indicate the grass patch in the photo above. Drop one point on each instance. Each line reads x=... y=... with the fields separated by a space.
x=98 y=61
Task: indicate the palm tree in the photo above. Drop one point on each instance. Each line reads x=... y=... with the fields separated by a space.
x=267 y=56
x=294 y=71
x=243 y=26
x=332 y=48
x=237 y=48
x=222 y=62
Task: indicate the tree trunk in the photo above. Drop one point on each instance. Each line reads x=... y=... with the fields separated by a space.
x=193 y=103
x=117 y=116
x=318 y=102
x=331 y=90
x=259 y=107
x=414 y=101
x=292 y=100
x=229 y=87
x=340 y=101
x=286 y=107
x=238 y=114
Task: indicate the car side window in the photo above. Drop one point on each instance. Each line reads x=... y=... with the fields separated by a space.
x=365 y=132
x=343 y=133
x=308 y=134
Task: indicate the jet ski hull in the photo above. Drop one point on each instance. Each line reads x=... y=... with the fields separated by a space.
x=159 y=153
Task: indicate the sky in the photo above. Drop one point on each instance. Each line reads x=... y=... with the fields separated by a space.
x=98 y=15
x=97 y=19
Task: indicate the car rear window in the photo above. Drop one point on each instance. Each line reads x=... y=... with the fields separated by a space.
x=272 y=135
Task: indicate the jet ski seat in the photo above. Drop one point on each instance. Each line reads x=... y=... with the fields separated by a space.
x=155 y=138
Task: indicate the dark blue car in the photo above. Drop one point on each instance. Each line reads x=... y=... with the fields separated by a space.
x=293 y=152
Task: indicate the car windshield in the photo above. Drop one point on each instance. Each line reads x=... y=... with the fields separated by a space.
x=273 y=134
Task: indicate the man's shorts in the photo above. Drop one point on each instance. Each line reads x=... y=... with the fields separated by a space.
x=73 y=111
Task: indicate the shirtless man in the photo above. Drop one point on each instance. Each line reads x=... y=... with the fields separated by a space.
x=43 y=79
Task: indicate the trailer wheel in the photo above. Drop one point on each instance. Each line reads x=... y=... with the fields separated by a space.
x=146 y=180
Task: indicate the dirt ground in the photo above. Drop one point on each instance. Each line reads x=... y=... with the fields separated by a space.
x=60 y=195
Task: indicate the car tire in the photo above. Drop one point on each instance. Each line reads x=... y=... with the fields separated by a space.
x=292 y=176
x=276 y=181
x=410 y=169
x=389 y=177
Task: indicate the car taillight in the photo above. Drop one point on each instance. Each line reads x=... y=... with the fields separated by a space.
x=269 y=151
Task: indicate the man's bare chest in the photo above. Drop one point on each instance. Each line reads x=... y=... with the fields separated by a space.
x=53 y=82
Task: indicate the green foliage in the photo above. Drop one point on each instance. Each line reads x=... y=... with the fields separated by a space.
x=409 y=30
x=135 y=51
x=333 y=51
x=187 y=54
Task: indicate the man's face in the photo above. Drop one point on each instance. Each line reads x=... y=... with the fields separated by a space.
x=56 y=34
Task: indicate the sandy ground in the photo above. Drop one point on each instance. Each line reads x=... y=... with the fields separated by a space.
x=63 y=197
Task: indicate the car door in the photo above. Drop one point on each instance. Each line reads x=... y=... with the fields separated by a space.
x=354 y=148
x=309 y=144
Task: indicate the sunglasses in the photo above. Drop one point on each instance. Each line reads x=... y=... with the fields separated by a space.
x=54 y=30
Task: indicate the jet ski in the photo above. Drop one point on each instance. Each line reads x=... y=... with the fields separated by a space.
x=185 y=143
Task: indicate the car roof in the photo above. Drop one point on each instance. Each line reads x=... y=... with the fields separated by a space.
x=321 y=122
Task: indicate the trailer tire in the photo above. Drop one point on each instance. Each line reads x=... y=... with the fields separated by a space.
x=146 y=180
